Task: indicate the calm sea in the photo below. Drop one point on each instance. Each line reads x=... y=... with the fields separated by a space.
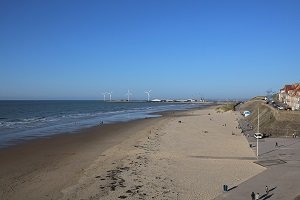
x=25 y=120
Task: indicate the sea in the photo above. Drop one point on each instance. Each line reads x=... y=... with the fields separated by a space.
x=25 y=120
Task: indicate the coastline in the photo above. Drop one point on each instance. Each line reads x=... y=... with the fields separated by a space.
x=46 y=160
x=68 y=153
x=117 y=158
x=60 y=117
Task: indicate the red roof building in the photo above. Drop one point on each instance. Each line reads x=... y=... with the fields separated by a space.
x=290 y=95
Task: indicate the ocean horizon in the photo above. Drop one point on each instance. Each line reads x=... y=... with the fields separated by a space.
x=23 y=120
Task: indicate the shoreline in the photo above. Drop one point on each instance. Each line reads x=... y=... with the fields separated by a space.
x=15 y=137
x=68 y=153
x=64 y=155
x=113 y=157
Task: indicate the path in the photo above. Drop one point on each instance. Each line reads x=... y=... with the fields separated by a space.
x=282 y=175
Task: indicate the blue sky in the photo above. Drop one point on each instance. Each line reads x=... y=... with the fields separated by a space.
x=53 y=49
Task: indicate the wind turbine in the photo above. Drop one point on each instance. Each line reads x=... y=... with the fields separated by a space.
x=148 y=93
x=128 y=95
x=104 y=96
x=109 y=93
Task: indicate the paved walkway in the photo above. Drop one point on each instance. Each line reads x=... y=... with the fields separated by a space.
x=282 y=175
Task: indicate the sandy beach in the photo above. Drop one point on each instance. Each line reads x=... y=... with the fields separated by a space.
x=183 y=155
x=40 y=169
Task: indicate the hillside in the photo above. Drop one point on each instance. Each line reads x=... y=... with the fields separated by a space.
x=272 y=121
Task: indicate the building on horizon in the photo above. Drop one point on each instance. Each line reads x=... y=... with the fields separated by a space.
x=290 y=95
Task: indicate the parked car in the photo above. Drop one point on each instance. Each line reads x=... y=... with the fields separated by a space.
x=280 y=108
x=246 y=113
x=258 y=135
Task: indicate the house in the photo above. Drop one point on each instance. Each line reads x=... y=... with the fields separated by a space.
x=290 y=95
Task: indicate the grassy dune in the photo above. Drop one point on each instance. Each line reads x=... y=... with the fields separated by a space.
x=272 y=121
x=226 y=107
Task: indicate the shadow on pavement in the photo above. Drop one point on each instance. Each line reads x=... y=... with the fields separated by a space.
x=272 y=189
x=232 y=188
x=290 y=144
x=269 y=151
x=278 y=148
x=267 y=197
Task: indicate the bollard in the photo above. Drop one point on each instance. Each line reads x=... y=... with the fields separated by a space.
x=225 y=188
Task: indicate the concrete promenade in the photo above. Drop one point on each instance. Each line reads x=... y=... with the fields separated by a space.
x=282 y=174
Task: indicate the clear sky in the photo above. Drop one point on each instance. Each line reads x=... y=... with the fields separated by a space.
x=74 y=49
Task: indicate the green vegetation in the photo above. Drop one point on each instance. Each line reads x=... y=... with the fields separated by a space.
x=272 y=121
x=226 y=107
x=258 y=98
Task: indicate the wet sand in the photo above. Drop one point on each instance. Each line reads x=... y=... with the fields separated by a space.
x=183 y=155
x=39 y=169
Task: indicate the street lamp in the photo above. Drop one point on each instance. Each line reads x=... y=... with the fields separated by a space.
x=258 y=132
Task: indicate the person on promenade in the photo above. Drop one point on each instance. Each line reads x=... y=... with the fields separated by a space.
x=257 y=196
x=252 y=196
x=267 y=190
x=276 y=144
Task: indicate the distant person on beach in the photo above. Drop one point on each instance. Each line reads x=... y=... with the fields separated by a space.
x=276 y=144
x=252 y=196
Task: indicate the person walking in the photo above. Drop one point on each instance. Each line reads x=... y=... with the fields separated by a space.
x=267 y=190
x=252 y=196
x=257 y=196
x=276 y=144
